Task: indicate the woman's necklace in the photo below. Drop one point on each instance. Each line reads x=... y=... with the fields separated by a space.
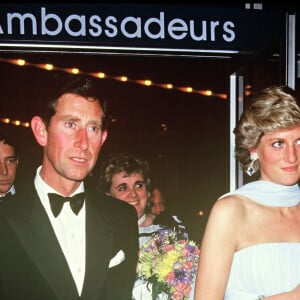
x=142 y=219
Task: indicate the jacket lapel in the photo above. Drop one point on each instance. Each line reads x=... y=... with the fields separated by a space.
x=34 y=231
x=99 y=240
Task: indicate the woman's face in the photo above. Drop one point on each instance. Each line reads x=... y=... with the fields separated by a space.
x=131 y=189
x=279 y=156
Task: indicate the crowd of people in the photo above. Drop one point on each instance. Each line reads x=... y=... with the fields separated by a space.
x=66 y=239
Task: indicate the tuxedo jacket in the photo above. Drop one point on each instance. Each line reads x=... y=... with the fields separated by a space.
x=33 y=266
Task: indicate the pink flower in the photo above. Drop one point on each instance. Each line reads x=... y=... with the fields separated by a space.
x=180 y=287
x=170 y=277
x=188 y=265
x=177 y=296
x=185 y=252
x=184 y=289
x=187 y=291
x=169 y=247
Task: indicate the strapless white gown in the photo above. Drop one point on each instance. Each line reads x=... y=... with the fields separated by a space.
x=268 y=268
x=264 y=269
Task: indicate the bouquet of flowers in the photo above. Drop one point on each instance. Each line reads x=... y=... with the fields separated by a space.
x=169 y=265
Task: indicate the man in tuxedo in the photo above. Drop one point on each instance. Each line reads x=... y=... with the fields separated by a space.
x=8 y=167
x=56 y=246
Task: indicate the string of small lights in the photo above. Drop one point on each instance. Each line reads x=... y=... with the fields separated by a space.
x=102 y=75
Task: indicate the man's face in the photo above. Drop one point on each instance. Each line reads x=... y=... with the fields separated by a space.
x=157 y=202
x=73 y=140
x=8 y=167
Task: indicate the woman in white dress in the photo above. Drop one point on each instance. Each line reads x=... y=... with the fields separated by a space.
x=251 y=245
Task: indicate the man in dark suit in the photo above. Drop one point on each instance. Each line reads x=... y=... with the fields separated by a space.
x=88 y=247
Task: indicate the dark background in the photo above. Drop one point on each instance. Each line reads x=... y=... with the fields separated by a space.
x=189 y=154
x=190 y=159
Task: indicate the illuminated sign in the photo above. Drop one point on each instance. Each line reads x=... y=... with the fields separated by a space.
x=138 y=27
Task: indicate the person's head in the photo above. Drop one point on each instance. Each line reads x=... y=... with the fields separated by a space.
x=157 y=202
x=268 y=136
x=71 y=128
x=8 y=164
x=126 y=177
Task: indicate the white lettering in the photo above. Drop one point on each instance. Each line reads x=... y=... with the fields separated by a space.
x=137 y=24
x=203 y=36
x=160 y=22
x=21 y=18
x=131 y=27
x=109 y=22
x=227 y=28
x=213 y=26
x=81 y=20
x=45 y=18
x=177 y=25
x=94 y=24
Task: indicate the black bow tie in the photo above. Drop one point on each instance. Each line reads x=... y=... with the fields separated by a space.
x=6 y=197
x=57 y=202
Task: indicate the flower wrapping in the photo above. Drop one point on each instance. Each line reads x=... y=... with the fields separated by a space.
x=169 y=265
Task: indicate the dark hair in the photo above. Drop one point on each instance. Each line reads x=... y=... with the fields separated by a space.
x=76 y=84
x=122 y=162
x=9 y=140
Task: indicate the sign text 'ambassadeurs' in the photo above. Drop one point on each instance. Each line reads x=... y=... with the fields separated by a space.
x=109 y=26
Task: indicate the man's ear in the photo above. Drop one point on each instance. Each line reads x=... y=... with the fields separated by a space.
x=104 y=136
x=38 y=128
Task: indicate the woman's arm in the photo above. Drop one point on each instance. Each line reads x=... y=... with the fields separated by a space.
x=218 y=246
x=291 y=295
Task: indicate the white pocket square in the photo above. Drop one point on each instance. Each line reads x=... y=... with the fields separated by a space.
x=117 y=259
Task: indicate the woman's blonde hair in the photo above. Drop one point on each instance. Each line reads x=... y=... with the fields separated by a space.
x=271 y=109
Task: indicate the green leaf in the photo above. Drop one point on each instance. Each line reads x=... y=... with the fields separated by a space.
x=157 y=288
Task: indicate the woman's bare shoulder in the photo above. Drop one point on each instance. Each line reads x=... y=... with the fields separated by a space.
x=232 y=207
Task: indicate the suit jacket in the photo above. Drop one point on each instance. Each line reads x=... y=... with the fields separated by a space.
x=33 y=266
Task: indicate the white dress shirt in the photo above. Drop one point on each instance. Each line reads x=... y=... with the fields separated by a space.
x=69 y=229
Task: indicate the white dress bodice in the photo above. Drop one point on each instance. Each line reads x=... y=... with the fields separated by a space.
x=264 y=269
